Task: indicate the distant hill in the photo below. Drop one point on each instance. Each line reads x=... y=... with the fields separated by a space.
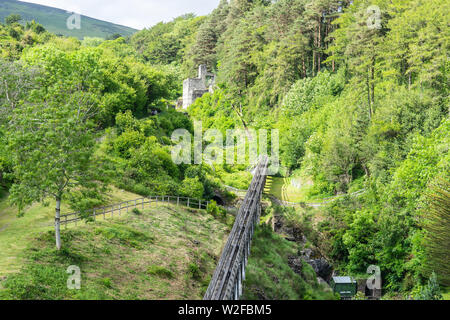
x=55 y=20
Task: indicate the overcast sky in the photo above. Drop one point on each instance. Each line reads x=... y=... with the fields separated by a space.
x=137 y=14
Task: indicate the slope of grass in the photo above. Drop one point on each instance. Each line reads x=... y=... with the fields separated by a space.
x=163 y=253
x=16 y=233
x=284 y=190
x=55 y=20
x=269 y=276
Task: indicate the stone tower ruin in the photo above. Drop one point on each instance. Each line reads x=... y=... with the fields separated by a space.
x=194 y=88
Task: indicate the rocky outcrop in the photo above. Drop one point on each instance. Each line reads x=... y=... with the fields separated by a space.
x=295 y=263
x=322 y=268
x=312 y=256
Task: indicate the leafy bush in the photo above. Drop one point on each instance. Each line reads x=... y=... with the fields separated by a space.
x=192 y=187
x=213 y=208
x=160 y=272
x=194 y=271
x=136 y=211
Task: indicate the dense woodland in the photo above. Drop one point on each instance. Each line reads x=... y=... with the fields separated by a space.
x=360 y=100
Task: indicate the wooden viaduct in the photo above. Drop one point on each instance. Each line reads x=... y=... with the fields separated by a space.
x=226 y=283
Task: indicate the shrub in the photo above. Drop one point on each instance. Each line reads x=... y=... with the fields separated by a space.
x=160 y=272
x=194 y=271
x=213 y=208
x=192 y=187
x=432 y=291
x=106 y=282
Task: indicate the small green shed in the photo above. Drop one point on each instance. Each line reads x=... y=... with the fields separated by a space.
x=345 y=286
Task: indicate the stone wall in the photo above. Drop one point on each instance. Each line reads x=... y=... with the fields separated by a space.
x=194 y=88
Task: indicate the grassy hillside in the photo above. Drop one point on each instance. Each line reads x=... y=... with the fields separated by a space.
x=55 y=20
x=164 y=252
x=269 y=276
x=16 y=233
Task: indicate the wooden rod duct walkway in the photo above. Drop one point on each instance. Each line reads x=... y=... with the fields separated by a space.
x=226 y=283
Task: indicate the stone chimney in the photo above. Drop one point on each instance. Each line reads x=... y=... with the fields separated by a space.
x=202 y=72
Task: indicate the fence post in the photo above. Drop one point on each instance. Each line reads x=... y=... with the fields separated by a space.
x=93 y=212
x=178 y=201
x=188 y=202
x=199 y=204
x=104 y=213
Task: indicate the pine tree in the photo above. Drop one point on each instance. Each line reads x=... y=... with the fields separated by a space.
x=204 y=49
x=432 y=291
x=437 y=229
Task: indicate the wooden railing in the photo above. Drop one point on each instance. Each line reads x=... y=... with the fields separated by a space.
x=226 y=283
x=126 y=206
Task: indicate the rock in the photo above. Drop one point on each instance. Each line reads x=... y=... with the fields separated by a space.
x=303 y=241
x=306 y=254
x=295 y=263
x=291 y=239
x=322 y=268
x=277 y=223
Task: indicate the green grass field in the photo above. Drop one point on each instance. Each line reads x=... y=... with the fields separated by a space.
x=284 y=190
x=165 y=252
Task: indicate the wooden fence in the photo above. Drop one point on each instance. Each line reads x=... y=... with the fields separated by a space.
x=126 y=206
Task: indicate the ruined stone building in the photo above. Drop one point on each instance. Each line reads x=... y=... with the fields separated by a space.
x=194 y=88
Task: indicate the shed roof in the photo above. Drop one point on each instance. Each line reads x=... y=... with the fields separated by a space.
x=343 y=280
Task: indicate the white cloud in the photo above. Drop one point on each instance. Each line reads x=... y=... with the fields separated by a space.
x=138 y=14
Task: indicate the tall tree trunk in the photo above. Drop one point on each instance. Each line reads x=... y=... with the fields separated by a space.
x=58 y=223
x=409 y=80
x=319 y=42
x=304 y=68
x=368 y=95
x=314 y=52
x=373 y=82
x=366 y=170
x=314 y=63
